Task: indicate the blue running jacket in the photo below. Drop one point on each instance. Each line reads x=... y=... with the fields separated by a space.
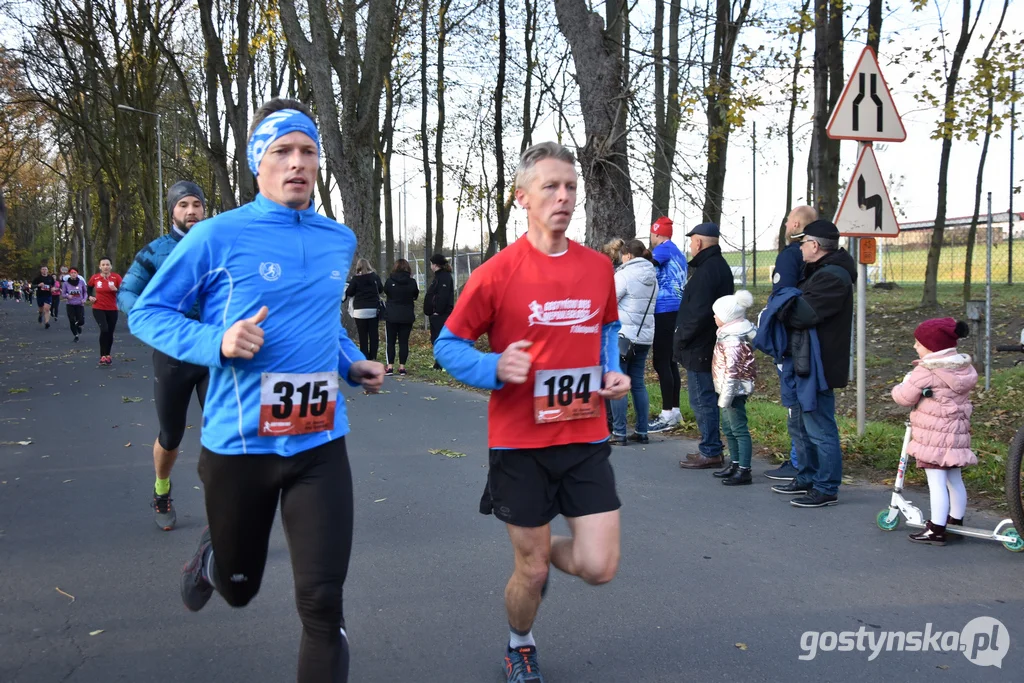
x=261 y=254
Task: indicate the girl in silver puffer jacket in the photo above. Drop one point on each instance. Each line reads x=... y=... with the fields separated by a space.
x=733 y=371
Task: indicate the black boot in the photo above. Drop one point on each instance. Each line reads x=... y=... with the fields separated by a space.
x=740 y=477
x=953 y=521
x=932 y=535
x=727 y=471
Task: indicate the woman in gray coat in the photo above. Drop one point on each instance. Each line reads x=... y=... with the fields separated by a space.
x=636 y=286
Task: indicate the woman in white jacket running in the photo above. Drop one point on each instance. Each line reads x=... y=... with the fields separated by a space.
x=636 y=285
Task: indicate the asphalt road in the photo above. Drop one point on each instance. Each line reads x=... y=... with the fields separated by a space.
x=716 y=584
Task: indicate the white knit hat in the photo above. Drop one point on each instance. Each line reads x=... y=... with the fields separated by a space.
x=734 y=306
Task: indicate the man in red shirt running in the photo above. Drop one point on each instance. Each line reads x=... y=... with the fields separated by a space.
x=103 y=288
x=549 y=308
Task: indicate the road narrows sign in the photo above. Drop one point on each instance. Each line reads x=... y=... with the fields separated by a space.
x=865 y=210
x=866 y=110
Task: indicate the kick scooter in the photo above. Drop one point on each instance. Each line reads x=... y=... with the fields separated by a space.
x=889 y=518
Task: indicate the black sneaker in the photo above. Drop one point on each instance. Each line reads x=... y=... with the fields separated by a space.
x=40 y=317
x=726 y=471
x=814 y=499
x=47 y=325
x=792 y=488
x=195 y=589
x=165 y=515
x=785 y=472
x=521 y=665
x=619 y=440
x=76 y=338
x=639 y=438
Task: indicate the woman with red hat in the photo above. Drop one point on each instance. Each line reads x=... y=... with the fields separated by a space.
x=939 y=391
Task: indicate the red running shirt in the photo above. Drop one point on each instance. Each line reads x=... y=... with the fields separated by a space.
x=560 y=303
x=106 y=298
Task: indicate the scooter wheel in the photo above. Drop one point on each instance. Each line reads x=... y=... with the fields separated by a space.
x=883 y=520
x=1017 y=544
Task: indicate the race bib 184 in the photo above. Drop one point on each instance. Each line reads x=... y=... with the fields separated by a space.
x=561 y=395
x=292 y=404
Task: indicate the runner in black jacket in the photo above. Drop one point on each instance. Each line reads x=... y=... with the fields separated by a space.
x=440 y=298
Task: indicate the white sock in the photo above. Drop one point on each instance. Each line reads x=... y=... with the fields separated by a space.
x=957 y=494
x=676 y=415
x=666 y=415
x=516 y=641
x=939 y=495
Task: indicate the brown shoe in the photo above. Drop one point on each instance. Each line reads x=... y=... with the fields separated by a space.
x=701 y=462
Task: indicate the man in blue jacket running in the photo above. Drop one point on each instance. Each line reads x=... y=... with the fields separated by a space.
x=174 y=381
x=274 y=424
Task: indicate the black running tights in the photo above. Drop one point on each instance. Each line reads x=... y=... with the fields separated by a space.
x=107 y=320
x=667 y=369
x=315 y=490
x=369 y=336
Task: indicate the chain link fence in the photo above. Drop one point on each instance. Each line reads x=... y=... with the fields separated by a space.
x=904 y=259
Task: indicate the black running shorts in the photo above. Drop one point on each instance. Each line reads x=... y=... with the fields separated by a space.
x=530 y=487
x=174 y=381
x=42 y=299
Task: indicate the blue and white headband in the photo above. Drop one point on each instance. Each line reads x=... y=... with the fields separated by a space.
x=276 y=125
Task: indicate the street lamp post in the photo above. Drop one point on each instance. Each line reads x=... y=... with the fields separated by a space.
x=159 y=163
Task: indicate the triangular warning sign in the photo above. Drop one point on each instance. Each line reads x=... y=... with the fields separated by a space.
x=865 y=210
x=865 y=110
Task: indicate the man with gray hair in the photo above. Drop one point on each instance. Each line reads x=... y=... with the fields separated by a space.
x=825 y=306
x=789 y=266
x=549 y=309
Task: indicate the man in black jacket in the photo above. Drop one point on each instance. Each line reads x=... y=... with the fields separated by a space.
x=709 y=278
x=826 y=306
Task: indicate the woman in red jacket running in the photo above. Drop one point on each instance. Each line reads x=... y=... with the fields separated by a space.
x=103 y=288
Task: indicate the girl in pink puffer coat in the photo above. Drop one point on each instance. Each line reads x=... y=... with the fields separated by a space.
x=939 y=391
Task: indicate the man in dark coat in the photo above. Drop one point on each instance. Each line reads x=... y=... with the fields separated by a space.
x=709 y=279
x=826 y=306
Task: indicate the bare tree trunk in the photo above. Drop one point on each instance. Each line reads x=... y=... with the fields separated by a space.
x=424 y=137
x=719 y=97
x=790 y=124
x=349 y=135
x=874 y=23
x=442 y=37
x=499 y=237
x=930 y=296
x=667 y=108
x=604 y=100
x=972 y=232
x=529 y=38
x=388 y=144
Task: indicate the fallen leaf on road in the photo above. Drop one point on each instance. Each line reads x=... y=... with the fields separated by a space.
x=742 y=646
x=380 y=500
x=96 y=632
x=942 y=666
x=131 y=399
x=128 y=444
x=69 y=595
x=446 y=453
x=196 y=488
x=429 y=398
x=67 y=481
x=18 y=390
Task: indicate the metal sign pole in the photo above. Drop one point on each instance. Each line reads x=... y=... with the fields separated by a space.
x=988 y=301
x=862 y=324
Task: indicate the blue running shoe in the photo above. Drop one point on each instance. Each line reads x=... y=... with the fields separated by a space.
x=521 y=665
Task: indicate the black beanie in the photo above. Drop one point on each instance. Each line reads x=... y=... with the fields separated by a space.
x=180 y=189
